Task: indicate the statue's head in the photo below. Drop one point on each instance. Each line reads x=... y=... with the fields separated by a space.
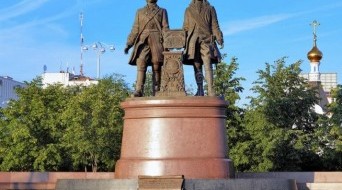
x=151 y=1
x=200 y=1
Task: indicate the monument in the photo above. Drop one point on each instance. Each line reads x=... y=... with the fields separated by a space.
x=171 y=140
x=174 y=134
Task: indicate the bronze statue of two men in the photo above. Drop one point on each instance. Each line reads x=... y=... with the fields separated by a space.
x=202 y=34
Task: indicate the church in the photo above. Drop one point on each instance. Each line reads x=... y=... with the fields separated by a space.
x=324 y=82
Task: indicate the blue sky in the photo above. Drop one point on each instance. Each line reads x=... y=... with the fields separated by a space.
x=34 y=33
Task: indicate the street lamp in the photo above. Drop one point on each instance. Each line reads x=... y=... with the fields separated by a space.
x=99 y=48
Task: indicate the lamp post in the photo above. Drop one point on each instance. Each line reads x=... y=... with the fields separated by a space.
x=99 y=48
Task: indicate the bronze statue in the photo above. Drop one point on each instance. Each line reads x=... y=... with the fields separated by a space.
x=202 y=34
x=146 y=37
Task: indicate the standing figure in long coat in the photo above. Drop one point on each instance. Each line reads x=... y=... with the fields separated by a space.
x=202 y=34
x=146 y=37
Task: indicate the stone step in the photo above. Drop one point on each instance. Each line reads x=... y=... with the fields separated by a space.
x=27 y=186
x=189 y=184
x=319 y=186
x=132 y=184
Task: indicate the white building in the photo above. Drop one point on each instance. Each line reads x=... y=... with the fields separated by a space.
x=66 y=79
x=7 y=89
x=328 y=82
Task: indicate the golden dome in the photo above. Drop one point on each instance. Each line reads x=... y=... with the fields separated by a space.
x=315 y=55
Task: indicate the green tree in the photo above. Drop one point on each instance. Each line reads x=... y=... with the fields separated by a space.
x=331 y=134
x=32 y=129
x=93 y=121
x=2 y=135
x=335 y=108
x=287 y=98
x=228 y=87
x=148 y=87
x=63 y=128
x=279 y=124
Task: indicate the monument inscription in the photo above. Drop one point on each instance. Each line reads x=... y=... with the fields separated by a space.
x=160 y=182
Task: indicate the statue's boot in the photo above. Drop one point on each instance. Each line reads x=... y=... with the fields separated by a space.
x=139 y=86
x=199 y=82
x=156 y=81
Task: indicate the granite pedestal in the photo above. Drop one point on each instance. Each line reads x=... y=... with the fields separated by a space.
x=174 y=136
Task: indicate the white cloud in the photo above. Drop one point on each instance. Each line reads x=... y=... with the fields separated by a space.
x=234 y=27
x=31 y=30
x=253 y=23
x=20 y=8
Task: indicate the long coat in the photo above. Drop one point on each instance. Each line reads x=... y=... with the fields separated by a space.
x=201 y=26
x=148 y=24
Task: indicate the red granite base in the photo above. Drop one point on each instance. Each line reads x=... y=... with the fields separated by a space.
x=174 y=136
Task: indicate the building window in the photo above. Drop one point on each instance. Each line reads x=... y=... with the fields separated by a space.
x=0 y=82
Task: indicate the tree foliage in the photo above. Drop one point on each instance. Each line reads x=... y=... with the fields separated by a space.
x=335 y=108
x=286 y=98
x=47 y=129
x=279 y=124
x=332 y=133
x=94 y=121
x=148 y=86
x=33 y=129
x=228 y=87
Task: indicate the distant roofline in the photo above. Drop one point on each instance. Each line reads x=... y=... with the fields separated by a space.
x=11 y=79
x=323 y=73
x=7 y=77
x=73 y=77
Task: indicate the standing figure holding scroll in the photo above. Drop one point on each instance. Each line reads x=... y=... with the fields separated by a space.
x=202 y=34
x=146 y=37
